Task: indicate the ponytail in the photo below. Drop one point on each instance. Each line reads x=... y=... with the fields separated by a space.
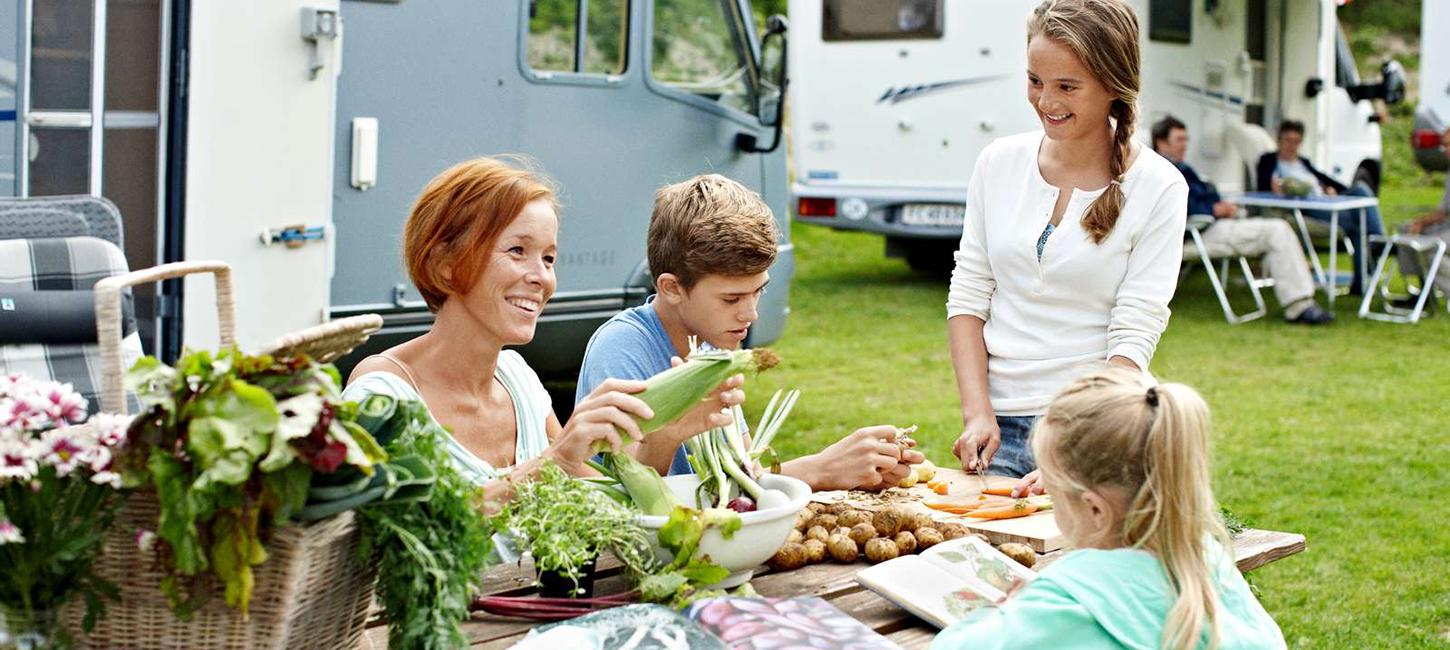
x=1174 y=511
x=1110 y=430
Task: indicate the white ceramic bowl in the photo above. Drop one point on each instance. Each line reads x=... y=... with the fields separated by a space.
x=761 y=532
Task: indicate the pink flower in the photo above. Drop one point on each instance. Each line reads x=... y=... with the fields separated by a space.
x=64 y=450
x=62 y=403
x=16 y=459
x=110 y=428
x=10 y=533
x=107 y=478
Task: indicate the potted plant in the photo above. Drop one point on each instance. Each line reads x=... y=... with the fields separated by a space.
x=564 y=524
x=57 y=497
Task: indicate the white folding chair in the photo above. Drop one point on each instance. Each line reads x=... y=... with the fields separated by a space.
x=1219 y=277
x=1429 y=252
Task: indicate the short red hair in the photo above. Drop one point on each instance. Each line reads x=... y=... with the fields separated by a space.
x=460 y=215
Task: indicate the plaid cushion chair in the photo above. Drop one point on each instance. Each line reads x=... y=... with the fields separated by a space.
x=63 y=270
x=90 y=215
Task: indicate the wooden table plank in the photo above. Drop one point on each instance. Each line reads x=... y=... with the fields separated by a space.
x=831 y=581
x=1254 y=548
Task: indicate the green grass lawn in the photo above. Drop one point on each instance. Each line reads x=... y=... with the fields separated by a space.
x=1338 y=432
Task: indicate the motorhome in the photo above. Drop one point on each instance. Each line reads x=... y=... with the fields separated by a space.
x=1432 y=115
x=894 y=99
x=289 y=139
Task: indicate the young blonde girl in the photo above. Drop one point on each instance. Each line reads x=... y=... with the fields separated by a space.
x=1127 y=465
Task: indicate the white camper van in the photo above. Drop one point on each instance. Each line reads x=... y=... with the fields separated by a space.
x=289 y=138
x=893 y=99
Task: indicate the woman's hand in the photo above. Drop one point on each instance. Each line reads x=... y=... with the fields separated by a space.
x=978 y=443
x=600 y=417
x=1029 y=485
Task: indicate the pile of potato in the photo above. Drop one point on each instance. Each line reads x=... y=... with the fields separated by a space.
x=844 y=534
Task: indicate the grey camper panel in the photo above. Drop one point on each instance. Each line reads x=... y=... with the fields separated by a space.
x=657 y=92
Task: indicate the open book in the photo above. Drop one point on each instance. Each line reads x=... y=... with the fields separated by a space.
x=947 y=581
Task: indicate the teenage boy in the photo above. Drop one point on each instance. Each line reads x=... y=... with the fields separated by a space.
x=710 y=243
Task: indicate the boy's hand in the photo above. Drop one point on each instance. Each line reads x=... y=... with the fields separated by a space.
x=708 y=414
x=658 y=449
x=867 y=457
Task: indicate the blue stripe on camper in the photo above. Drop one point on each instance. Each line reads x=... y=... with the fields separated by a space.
x=7 y=116
x=1232 y=99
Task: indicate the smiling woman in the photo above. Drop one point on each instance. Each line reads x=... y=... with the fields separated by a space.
x=480 y=245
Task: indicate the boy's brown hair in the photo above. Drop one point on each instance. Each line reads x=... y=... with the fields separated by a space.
x=710 y=225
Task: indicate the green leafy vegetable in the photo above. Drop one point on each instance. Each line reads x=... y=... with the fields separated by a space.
x=425 y=534
x=230 y=443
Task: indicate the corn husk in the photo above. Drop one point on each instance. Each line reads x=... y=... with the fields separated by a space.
x=674 y=392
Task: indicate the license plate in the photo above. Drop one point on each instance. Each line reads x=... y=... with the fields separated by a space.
x=933 y=214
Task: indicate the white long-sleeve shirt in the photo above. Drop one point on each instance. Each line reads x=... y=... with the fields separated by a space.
x=1048 y=322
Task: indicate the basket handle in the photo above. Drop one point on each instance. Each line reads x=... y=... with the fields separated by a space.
x=108 y=318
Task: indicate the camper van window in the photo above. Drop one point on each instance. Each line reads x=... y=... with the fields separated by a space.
x=699 y=47
x=1346 y=76
x=9 y=52
x=554 y=42
x=1170 y=21
x=871 y=20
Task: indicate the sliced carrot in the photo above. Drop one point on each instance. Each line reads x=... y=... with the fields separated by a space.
x=1019 y=509
x=998 y=492
x=941 y=488
x=954 y=507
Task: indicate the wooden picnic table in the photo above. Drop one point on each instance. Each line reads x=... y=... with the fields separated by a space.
x=832 y=581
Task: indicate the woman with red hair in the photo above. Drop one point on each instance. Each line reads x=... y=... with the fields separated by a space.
x=480 y=246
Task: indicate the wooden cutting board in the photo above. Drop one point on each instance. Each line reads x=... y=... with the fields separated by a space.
x=1038 y=531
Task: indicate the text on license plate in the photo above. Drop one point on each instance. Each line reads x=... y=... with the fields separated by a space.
x=932 y=214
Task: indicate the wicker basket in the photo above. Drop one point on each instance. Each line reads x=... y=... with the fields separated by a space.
x=312 y=592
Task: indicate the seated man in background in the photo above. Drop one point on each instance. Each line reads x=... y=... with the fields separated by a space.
x=1430 y=226
x=1284 y=259
x=1286 y=172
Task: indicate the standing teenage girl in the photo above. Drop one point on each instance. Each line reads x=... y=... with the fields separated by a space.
x=1073 y=237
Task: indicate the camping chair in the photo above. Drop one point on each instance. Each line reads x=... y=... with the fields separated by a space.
x=53 y=250
x=61 y=216
x=1219 y=277
x=47 y=311
x=1416 y=254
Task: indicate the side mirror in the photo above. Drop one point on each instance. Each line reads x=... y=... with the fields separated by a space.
x=1390 y=87
x=1392 y=80
x=1313 y=87
x=771 y=97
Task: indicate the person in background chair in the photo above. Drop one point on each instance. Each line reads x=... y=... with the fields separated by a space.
x=1273 y=239
x=1430 y=226
x=1280 y=171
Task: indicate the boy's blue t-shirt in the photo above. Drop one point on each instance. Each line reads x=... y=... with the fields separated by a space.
x=631 y=345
